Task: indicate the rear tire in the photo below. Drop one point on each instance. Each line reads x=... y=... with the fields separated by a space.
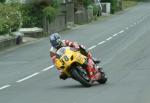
x=103 y=80
x=80 y=78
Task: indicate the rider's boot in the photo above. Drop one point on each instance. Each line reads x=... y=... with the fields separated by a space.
x=96 y=61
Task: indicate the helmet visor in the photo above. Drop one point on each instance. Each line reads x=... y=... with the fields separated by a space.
x=56 y=44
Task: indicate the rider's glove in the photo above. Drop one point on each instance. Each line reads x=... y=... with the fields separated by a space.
x=82 y=47
x=63 y=76
x=83 y=50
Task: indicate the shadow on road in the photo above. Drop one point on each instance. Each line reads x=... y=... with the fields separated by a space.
x=76 y=86
x=70 y=86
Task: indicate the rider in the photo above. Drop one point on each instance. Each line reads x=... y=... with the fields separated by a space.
x=56 y=43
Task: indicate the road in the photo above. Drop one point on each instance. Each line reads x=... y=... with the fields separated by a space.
x=120 y=41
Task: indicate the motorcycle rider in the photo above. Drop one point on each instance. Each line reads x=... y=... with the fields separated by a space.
x=56 y=43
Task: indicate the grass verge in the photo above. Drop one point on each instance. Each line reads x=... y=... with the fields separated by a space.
x=128 y=3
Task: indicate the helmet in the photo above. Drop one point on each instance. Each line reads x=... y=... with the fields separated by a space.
x=55 y=40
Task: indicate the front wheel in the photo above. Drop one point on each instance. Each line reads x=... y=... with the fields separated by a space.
x=79 y=76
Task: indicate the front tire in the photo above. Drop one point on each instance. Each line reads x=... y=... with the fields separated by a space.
x=75 y=73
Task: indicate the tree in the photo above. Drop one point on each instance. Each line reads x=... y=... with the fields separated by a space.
x=2 y=1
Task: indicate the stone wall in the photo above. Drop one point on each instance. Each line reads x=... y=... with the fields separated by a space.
x=57 y=25
x=6 y=42
x=68 y=10
x=83 y=15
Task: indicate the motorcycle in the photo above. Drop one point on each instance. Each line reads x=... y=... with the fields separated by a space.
x=71 y=62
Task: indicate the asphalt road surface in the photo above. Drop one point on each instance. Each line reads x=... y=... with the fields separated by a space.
x=121 y=42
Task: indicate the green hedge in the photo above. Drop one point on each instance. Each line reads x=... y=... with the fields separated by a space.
x=2 y=1
x=134 y=0
x=50 y=13
x=95 y=10
x=86 y=3
x=31 y=15
x=9 y=18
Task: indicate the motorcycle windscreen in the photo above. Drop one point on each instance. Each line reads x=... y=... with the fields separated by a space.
x=60 y=52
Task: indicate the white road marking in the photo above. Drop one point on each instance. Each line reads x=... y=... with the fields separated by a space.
x=48 y=68
x=127 y=28
x=101 y=42
x=116 y=34
x=135 y=23
x=131 y=25
x=28 y=77
x=109 y=38
x=138 y=22
x=92 y=47
x=121 y=31
x=141 y=20
x=3 y=87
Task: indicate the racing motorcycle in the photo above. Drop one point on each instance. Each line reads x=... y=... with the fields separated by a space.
x=71 y=62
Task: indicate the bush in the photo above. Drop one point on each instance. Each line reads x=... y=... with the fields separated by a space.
x=4 y=27
x=50 y=13
x=55 y=3
x=113 y=6
x=31 y=15
x=2 y=1
x=95 y=10
x=9 y=18
x=86 y=3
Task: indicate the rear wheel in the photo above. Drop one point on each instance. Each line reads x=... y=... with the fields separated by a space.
x=103 y=79
x=80 y=76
